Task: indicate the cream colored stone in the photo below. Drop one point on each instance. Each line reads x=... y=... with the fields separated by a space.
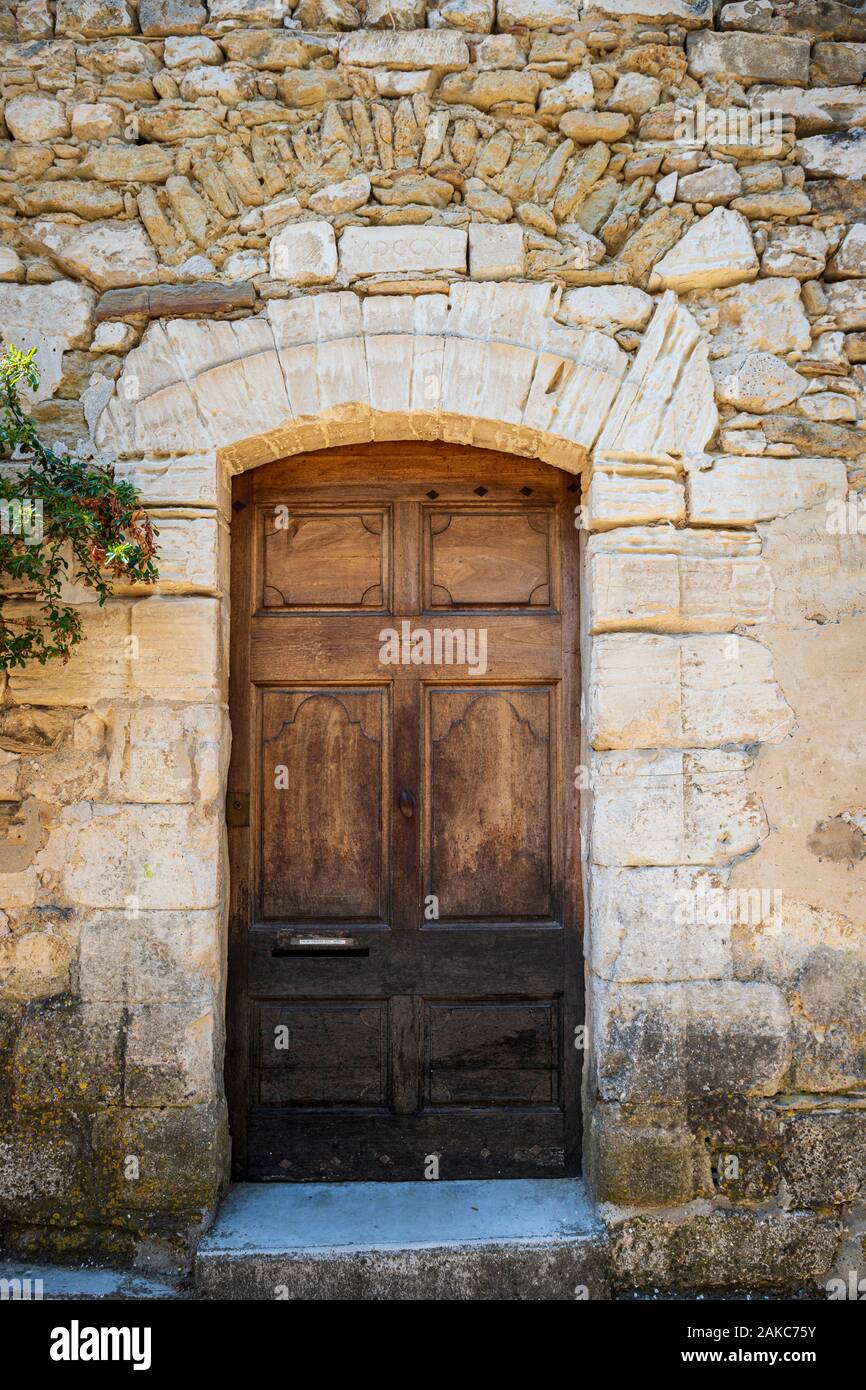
x=96 y=121
x=52 y=318
x=135 y=957
x=756 y=381
x=718 y=183
x=634 y=94
x=106 y=254
x=735 y=491
x=34 y=118
x=635 y=936
x=673 y=580
x=669 y=808
x=841 y=155
x=683 y=692
x=373 y=250
x=11 y=265
x=767 y=316
x=716 y=252
x=594 y=306
x=191 y=51
x=846 y=301
x=154 y=858
x=574 y=94
x=850 y=259
x=441 y=49
x=304 y=254
x=665 y=407
x=633 y=494
x=495 y=253
x=195 y=480
x=342 y=197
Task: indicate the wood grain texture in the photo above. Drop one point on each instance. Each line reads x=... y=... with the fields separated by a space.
x=423 y=807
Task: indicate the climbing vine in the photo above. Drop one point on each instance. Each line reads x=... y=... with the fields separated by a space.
x=62 y=520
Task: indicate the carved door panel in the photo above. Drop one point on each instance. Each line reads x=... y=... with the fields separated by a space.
x=404 y=955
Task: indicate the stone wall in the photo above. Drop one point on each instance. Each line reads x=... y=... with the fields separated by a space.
x=619 y=235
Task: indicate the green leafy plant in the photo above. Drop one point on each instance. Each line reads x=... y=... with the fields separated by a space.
x=61 y=519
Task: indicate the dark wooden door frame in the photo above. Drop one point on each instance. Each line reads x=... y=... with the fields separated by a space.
x=368 y=460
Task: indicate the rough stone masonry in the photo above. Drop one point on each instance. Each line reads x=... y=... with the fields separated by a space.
x=624 y=236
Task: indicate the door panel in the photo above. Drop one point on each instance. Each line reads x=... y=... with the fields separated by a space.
x=488 y=796
x=328 y=749
x=404 y=939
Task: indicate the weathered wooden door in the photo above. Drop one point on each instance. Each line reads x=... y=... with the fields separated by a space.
x=405 y=978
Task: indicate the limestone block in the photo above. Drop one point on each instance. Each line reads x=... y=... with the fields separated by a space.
x=674 y=580
x=634 y=94
x=495 y=253
x=107 y=254
x=673 y=808
x=52 y=318
x=167 y=756
x=683 y=12
x=177 y=649
x=716 y=252
x=706 y=1247
x=128 y=163
x=373 y=250
x=304 y=254
x=841 y=154
x=96 y=120
x=633 y=494
x=643 y=1157
x=169 y=1057
x=683 y=692
x=193 y=480
x=738 y=491
x=819 y=109
x=133 y=957
x=824 y=1157
x=444 y=50
x=195 y=50
x=846 y=301
x=756 y=381
x=11 y=265
x=663 y=1043
x=797 y=251
x=718 y=183
x=574 y=94
x=156 y=646
x=636 y=937
x=572 y=391
x=182 y=1150
x=146 y=857
x=33 y=118
x=43 y=1162
x=342 y=197
x=586 y=127
x=784 y=61
x=69 y=1052
x=767 y=316
x=94 y=19
x=849 y=262
x=34 y=964
x=535 y=14
x=597 y=305
x=193 y=553
x=404 y=373
x=665 y=406
x=166 y=17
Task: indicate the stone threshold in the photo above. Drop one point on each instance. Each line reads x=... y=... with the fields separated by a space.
x=526 y=1239
x=32 y=1283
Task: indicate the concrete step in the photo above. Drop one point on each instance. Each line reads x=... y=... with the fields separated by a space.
x=522 y=1239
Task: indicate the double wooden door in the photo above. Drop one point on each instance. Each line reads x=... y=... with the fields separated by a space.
x=405 y=978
